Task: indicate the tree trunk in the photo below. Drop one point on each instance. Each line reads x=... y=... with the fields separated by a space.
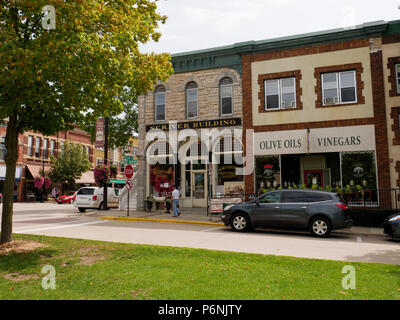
x=11 y=164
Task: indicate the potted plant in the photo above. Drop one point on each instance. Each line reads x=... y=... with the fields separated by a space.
x=101 y=175
x=167 y=204
x=149 y=203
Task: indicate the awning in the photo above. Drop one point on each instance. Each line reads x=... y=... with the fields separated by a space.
x=35 y=170
x=86 y=178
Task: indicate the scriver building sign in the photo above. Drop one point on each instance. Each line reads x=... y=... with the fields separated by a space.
x=358 y=138
x=196 y=124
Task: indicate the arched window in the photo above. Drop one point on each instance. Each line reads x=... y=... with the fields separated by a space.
x=226 y=96
x=159 y=103
x=191 y=100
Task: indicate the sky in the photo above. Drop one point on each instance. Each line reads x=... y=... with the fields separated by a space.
x=202 y=24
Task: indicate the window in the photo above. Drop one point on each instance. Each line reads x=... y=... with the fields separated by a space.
x=398 y=77
x=339 y=87
x=274 y=197
x=191 y=100
x=30 y=144
x=37 y=147
x=159 y=103
x=52 y=147
x=61 y=146
x=45 y=148
x=226 y=96
x=280 y=94
x=86 y=192
x=317 y=197
x=294 y=197
x=88 y=151
x=3 y=150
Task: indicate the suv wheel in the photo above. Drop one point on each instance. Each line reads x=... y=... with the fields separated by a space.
x=240 y=222
x=320 y=227
x=81 y=209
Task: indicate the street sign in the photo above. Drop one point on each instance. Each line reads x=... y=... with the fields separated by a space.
x=100 y=133
x=129 y=185
x=125 y=162
x=128 y=172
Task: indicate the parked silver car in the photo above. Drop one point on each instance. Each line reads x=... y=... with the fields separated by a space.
x=92 y=198
x=319 y=212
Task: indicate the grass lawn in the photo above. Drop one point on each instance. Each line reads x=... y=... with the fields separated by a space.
x=104 y=270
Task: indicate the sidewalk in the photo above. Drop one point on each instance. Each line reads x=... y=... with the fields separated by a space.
x=199 y=216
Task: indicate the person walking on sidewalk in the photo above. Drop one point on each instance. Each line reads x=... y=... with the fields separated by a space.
x=175 y=204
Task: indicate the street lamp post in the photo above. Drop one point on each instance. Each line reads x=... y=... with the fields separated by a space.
x=105 y=205
x=43 y=178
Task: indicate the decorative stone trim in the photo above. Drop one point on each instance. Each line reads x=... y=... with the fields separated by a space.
x=279 y=75
x=392 y=77
x=227 y=74
x=345 y=67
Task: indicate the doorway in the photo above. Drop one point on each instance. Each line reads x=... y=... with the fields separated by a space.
x=199 y=196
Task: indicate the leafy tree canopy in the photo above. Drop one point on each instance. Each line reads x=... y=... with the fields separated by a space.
x=53 y=78
x=69 y=165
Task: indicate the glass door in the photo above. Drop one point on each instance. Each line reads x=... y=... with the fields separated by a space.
x=199 y=190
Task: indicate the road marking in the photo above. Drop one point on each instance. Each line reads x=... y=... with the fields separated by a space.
x=59 y=227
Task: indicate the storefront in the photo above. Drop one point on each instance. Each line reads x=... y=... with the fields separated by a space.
x=326 y=158
x=200 y=168
x=17 y=180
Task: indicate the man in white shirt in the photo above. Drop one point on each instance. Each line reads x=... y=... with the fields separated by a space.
x=175 y=202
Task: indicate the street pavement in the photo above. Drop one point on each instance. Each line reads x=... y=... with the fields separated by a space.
x=364 y=245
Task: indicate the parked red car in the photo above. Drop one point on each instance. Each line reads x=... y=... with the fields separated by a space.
x=68 y=198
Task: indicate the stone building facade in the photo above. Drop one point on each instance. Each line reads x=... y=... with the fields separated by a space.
x=322 y=110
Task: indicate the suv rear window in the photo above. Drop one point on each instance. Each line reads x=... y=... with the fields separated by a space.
x=86 y=191
x=340 y=197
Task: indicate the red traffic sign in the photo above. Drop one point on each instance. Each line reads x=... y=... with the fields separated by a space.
x=128 y=185
x=128 y=172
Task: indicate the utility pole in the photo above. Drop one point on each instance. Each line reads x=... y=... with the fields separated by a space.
x=105 y=206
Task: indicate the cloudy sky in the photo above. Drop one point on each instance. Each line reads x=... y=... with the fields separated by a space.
x=200 y=24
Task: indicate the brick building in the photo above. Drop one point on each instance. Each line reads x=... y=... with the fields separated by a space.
x=34 y=154
x=323 y=110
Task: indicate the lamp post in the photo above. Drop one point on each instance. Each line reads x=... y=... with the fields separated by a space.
x=42 y=198
x=105 y=206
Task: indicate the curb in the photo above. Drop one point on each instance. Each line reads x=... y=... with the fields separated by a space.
x=217 y=224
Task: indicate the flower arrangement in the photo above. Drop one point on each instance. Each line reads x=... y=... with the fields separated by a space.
x=38 y=183
x=101 y=175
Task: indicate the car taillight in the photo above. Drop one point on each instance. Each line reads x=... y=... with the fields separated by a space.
x=342 y=206
x=94 y=198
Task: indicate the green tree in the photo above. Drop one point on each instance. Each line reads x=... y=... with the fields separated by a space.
x=69 y=165
x=121 y=127
x=51 y=79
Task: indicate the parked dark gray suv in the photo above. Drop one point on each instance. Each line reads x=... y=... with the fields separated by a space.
x=320 y=212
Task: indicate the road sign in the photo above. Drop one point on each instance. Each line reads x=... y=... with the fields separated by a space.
x=132 y=161
x=129 y=185
x=100 y=133
x=128 y=172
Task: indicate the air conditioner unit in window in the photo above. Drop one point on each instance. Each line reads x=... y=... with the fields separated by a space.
x=329 y=101
x=288 y=104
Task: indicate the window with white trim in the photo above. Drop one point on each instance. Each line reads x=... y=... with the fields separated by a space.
x=159 y=99
x=397 y=67
x=339 y=87
x=37 y=147
x=191 y=100
x=280 y=93
x=30 y=146
x=45 y=148
x=226 y=96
